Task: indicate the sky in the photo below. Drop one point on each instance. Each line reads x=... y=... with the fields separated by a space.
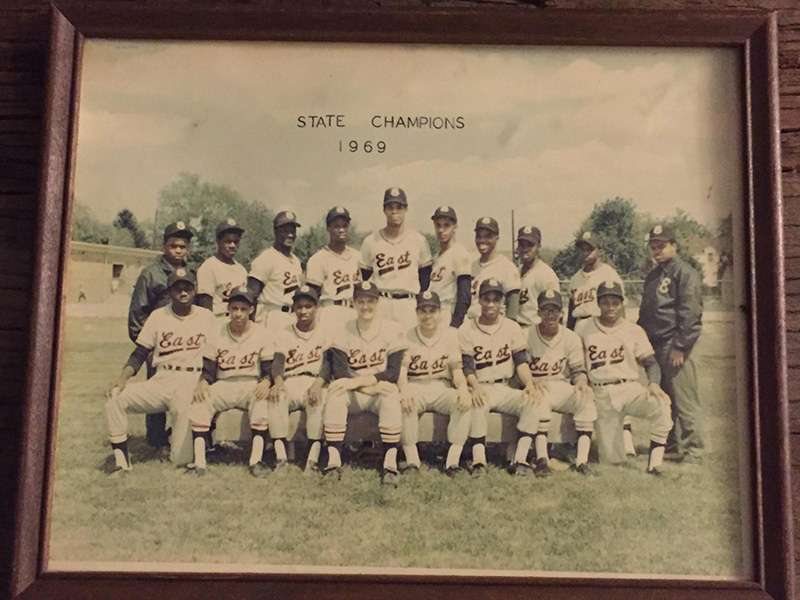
x=548 y=132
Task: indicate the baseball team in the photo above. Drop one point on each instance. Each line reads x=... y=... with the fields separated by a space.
x=394 y=331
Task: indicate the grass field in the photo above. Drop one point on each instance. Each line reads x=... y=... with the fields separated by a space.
x=687 y=522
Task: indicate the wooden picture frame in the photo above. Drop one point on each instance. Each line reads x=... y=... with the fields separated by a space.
x=753 y=33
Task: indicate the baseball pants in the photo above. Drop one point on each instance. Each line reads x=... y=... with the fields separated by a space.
x=155 y=423
x=227 y=394
x=680 y=384
x=342 y=403
x=166 y=391
x=561 y=398
x=296 y=388
x=399 y=310
x=504 y=399
x=435 y=396
x=630 y=398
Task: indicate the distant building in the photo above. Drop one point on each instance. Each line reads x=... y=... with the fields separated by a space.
x=99 y=273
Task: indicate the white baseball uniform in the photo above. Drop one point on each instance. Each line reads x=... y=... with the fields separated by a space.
x=217 y=279
x=612 y=356
x=538 y=279
x=583 y=290
x=336 y=274
x=428 y=364
x=281 y=276
x=500 y=268
x=447 y=268
x=179 y=345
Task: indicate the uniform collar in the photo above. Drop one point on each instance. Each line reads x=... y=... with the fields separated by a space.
x=669 y=266
x=348 y=251
x=556 y=338
x=166 y=266
x=620 y=322
x=489 y=329
x=425 y=341
x=306 y=335
x=396 y=240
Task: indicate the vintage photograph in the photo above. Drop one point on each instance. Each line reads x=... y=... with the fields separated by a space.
x=408 y=309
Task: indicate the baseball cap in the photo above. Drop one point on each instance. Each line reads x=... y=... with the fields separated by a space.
x=335 y=212
x=487 y=223
x=366 y=288
x=531 y=234
x=550 y=297
x=242 y=293
x=177 y=229
x=660 y=233
x=490 y=285
x=428 y=298
x=181 y=274
x=229 y=225
x=395 y=194
x=610 y=288
x=285 y=217
x=588 y=237
x=445 y=211
x=305 y=291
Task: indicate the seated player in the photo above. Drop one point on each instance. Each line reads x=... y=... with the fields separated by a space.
x=300 y=370
x=366 y=356
x=177 y=335
x=236 y=375
x=493 y=349
x=432 y=380
x=556 y=360
x=614 y=348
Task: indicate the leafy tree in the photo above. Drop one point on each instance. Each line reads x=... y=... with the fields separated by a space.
x=126 y=220
x=87 y=228
x=433 y=243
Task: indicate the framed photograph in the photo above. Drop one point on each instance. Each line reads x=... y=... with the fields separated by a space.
x=643 y=145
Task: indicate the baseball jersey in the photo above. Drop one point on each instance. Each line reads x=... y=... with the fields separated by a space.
x=241 y=356
x=448 y=266
x=539 y=278
x=491 y=346
x=612 y=353
x=558 y=358
x=334 y=273
x=427 y=359
x=303 y=350
x=499 y=268
x=368 y=355
x=583 y=289
x=179 y=341
x=217 y=279
x=395 y=263
x=280 y=274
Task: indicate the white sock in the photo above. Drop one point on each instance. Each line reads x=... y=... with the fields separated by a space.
x=479 y=454
x=334 y=458
x=200 y=452
x=313 y=452
x=120 y=460
x=627 y=442
x=541 y=446
x=523 y=447
x=280 y=450
x=390 y=459
x=257 y=449
x=656 y=457
x=412 y=456
x=453 y=455
x=584 y=443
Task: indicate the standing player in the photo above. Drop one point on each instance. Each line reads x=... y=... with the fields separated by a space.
x=220 y=273
x=149 y=294
x=176 y=334
x=671 y=314
x=536 y=275
x=333 y=270
x=614 y=348
x=276 y=273
x=366 y=357
x=432 y=380
x=451 y=275
x=493 y=349
x=300 y=371
x=556 y=355
x=236 y=375
x=492 y=264
x=399 y=259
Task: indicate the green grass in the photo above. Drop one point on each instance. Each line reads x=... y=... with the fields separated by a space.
x=687 y=522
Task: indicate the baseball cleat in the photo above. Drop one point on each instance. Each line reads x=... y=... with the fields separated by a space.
x=521 y=469
x=655 y=472
x=259 y=470
x=478 y=470
x=584 y=469
x=412 y=470
x=281 y=465
x=391 y=478
x=196 y=472
x=312 y=468
x=332 y=474
x=119 y=472
x=453 y=471
x=162 y=453
x=542 y=469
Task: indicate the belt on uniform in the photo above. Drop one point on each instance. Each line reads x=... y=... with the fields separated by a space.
x=304 y=373
x=612 y=382
x=177 y=368
x=396 y=296
x=495 y=381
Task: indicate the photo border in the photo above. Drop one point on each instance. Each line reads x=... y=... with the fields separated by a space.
x=754 y=33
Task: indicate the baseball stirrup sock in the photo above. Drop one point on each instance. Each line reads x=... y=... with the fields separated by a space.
x=200 y=440
x=479 y=451
x=584 y=444
x=280 y=449
x=121 y=457
x=541 y=446
x=335 y=455
x=412 y=456
x=453 y=455
x=523 y=447
x=313 y=451
x=257 y=448
x=656 y=455
x=390 y=458
x=627 y=437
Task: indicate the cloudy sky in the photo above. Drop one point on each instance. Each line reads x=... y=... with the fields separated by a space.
x=548 y=132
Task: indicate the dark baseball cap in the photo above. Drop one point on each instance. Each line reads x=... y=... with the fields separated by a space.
x=428 y=298
x=445 y=211
x=395 y=194
x=181 y=274
x=285 y=217
x=242 y=293
x=530 y=234
x=588 y=237
x=660 y=233
x=229 y=225
x=550 y=297
x=305 y=291
x=177 y=229
x=366 y=288
x=335 y=213
x=487 y=223
x=610 y=288
x=490 y=285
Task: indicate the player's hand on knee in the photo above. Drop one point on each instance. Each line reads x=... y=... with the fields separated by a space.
x=276 y=392
x=262 y=390
x=314 y=394
x=115 y=388
x=385 y=388
x=655 y=390
x=479 y=397
x=535 y=391
x=407 y=402
x=200 y=392
x=464 y=402
x=584 y=392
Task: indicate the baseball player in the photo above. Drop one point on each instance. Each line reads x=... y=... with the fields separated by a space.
x=220 y=273
x=236 y=375
x=613 y=349
x=493 y=349
x=333 y=270
x=451 y=275
x=432 y=380
x=300 y=371
x=149 y=294
x=276 y=273
x=366 y=357
x=399 y=261
x=492 y=264
x=556 y=359
x=176 y=334
x=536 y=275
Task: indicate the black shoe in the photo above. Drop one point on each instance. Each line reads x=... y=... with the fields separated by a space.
x=195 y=472
x=312 y=468
x=259 y=470
x=411 y=470
x=453 y=471
x=542 y=469
x=656 y=472
x=391 y=478
x=119 y=472
x=478 y=470
x=332 y=474
x=281 y=465
x=519 y=469
x=584 y=469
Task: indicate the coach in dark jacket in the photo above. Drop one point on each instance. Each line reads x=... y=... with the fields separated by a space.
x=671 y=313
